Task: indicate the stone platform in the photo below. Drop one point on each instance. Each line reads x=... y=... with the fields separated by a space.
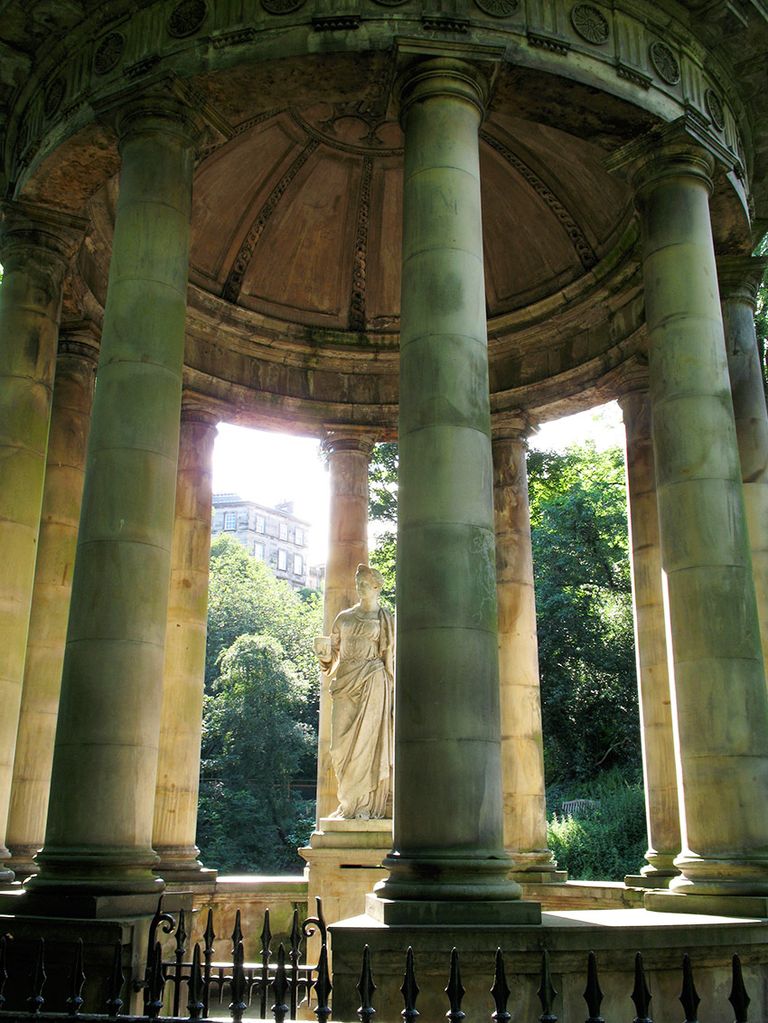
x=614 y=935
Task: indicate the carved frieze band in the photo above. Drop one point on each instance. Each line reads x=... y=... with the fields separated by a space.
x=357 y=320
x=234 y=282
x=578 y=239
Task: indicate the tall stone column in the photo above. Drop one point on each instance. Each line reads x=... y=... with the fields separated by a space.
x=522 y=753
x=348 y=457
x=35 y=246
x=656 y=726
x=719 y=697
x=448 y=861
x=99 y=831
x=740 y=278
x=178 y=765
x=62 y=497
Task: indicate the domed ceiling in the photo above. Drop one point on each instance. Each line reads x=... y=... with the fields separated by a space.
x=297 y=218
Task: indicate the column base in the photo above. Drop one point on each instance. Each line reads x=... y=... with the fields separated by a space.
x=537 y=867
x=7 y=874
x=431 y=876
x=95 y=872
x=179 y=865
x=22 y=861
x=469 y=913
x=656 y=879
x=750 y=906
x=85 y=906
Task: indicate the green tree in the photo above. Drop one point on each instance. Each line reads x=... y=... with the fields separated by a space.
x=382 y=510
x=253 y=745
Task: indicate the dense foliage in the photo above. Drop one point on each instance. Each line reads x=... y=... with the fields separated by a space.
x=260 y=716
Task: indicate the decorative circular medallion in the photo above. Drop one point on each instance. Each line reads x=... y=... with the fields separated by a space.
x=282 y=6
x=498 y=8
x=108 y=53
x=186 y=18
x=714 y=106
x=54 y=94
x=590 y=23
x=665 y=63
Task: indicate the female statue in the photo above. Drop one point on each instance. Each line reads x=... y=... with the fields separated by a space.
x=358 y=658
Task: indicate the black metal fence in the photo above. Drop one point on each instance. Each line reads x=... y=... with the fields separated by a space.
x=277 y=987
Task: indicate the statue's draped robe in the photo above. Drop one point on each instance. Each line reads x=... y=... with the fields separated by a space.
x=361 y=669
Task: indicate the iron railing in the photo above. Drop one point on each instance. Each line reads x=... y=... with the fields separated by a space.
x=280 y=985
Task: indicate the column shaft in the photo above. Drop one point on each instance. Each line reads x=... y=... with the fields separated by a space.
x=448 y=841
x=62 y=497
x=659 y=774
x=522 y=753
x=34 y=249
x=720 y=703
x=739 y=281
x=178 y=765
x=99 y=831
x=348 y=458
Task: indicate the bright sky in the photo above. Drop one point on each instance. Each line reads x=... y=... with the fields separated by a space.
x=273 y=467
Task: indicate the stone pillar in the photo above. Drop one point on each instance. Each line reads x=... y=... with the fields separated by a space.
x=348 y=456
x=522 y=754
x=659 y=774
x=448 y=862
x=740 y=278
x=719 y=697
x=99 y=833
x=35 y=246
x=62 y=496
x=178 y=765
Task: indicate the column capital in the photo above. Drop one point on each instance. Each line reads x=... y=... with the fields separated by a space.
x=80 y=339
x=740 y=277
x=195 y=409
x=29 y=232
x=678 y=150
x=514 y=424
x=348 y=439
x=163 y=106
x=447 y=76
x=636 y=412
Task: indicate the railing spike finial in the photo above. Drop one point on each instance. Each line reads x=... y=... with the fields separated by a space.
x=179 y=953
x=738 y=997
x=266 y=955
x=366 y=989
x=641 y=995
x=116 y=982
x=409 y=990
x=689 y=996
x=237 y=933
x=547 y=993
x=238 y=1004
x=500 y=991
x=455 y=990
x=294 y=954
x=323 y=986
x=36 y=1000
x=209 y=936
x=153 y=1005
x=75 y=1000
x=593 y=994
x=3 y=967
x=280 y=987
x=196 y=1005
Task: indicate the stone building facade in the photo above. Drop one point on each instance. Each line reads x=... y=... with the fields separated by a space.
x=272 y=535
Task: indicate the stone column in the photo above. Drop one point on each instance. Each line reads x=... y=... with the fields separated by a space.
x=348 y=457
x=522 y=754
x=448 y=862
x=659 y=774
x=99 y=832
x=178 y=765
x=740 y=278
x=62 y=496
x=35 y=247
x=719 y=697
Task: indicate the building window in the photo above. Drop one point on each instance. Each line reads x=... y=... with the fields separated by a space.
x=282 y=561
x=299 y=537
x=261 y=524
x=283 y=530
x=258 y=551
x=230 y=520
x=298 y=564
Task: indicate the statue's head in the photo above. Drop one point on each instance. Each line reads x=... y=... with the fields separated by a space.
x=367 y=576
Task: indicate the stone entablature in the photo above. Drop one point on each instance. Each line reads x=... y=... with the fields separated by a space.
x=272 y=535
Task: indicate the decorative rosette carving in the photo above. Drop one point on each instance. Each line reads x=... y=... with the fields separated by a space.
x=590 y=23
x=54 y=94
x=186 y=18
x=665 y=63
x=108 y=53
x=498 y=8
x=714 y=106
